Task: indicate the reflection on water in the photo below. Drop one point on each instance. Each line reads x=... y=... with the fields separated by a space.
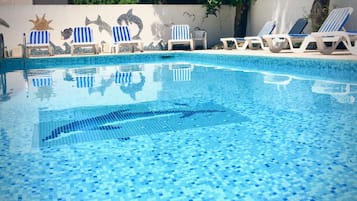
x=341 y=91
x=181 y=71
x=132 y=88
x=138 y=81
x=33 y=91
x=42 y=81
x=5 y=96
x=281 y=81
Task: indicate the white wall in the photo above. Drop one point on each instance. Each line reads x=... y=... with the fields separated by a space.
x=156 y=20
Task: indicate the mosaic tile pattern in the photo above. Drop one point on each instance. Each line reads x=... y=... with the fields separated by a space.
x=99 y=123
x=273 y=143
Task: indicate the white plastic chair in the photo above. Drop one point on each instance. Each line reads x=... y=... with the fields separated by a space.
x=180 y=34
x=39 y=39
x=122 y=36
x=83 y=37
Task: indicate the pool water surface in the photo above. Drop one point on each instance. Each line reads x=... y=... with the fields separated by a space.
x=178 y=127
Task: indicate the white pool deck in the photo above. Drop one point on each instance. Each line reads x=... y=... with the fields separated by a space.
x=339 y=55
x=342 y=55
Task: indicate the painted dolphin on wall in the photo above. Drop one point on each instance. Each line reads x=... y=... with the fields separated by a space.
x=4 y=23
x=66 y=33
x=129 y=18
x=111 y=120
x=101 y=24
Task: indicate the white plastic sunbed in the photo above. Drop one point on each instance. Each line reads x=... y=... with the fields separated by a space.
x=180 y=34
x=348 y=38
x=249 y=41
x=334 y=23
x=122 y=36
x=83 y=37
x=39 y=39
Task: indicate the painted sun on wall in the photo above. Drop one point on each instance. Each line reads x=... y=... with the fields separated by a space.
x=41 y=23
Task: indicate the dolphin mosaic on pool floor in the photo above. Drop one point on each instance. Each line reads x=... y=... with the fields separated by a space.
x=84 y=124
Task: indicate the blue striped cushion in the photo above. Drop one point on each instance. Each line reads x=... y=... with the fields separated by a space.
x=336 y=19
x=39 y=37
x=82 y=35
x=180 y=32
x=42 y=82
x=85 y=82
x=122 y=77
x=121 y=33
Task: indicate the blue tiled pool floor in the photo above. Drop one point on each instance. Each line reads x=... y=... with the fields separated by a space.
x=213 y=134
x=201 y=164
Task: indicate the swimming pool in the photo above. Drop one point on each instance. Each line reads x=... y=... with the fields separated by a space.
x=178 y=126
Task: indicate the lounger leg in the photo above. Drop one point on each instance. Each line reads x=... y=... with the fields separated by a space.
x=275 y=46
x=225 y=44
x=95 y=49
x=304 y=44
x=51 y=51
x=236 y=44
x=141 y=44
x=263 y=46
x=323 y=48
x=350 y=47
x=290 y=43
x=245 y=45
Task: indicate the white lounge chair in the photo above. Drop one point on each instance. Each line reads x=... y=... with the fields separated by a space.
x=83 y=37
x=180 y=34
x=249 y=41
x=39 y=39
x=122 y=36
x=349 y=39
x=333 y=23
x=277 y=42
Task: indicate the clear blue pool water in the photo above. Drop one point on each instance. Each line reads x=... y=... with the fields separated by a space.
x=178 y=126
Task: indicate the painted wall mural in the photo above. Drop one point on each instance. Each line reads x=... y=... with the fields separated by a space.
x=4 y=23
x=128 y=18
x=100 y=23
x=146 y=22
x=41 y=23
x=66 y=33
